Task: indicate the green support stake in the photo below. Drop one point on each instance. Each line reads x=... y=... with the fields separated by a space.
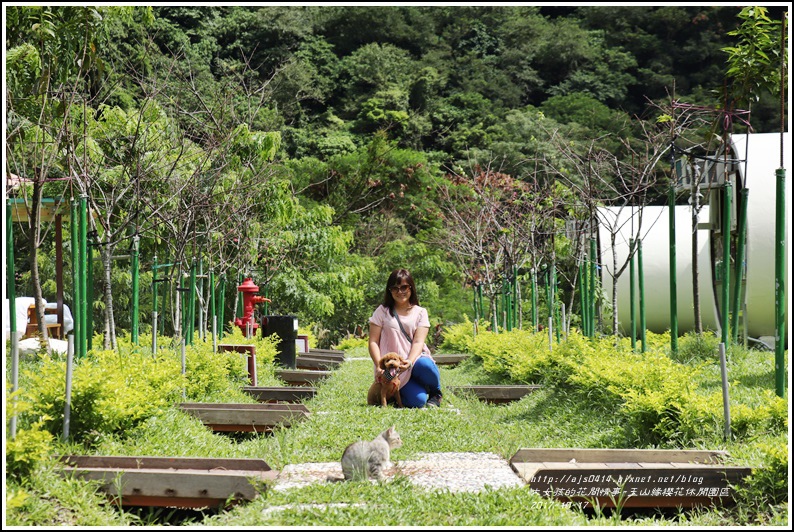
x=166 y=290
x=84 y=275
x=780 y=280
x=741 y=231
x=516 y=306
x=239 y=309
x=641 y=273
x=726 y=263
x=134 y=266
x=673 y=275
x=154 y=304
x=182 y=289
x=593 y=274
x=12 y=312
x=479 y=298
x=507 y=305
x=221 y=306
x=200 y=290
x=583 y=297
x=76 y=318
x=534 y=295
x=212 y=316
x=192 y=308
x=89 y=317
x=632 y=296
x=555 y=310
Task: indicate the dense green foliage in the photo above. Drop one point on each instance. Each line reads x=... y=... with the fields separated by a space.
x=308 y=146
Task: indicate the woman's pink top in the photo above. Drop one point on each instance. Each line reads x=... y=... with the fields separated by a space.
x=391 y=337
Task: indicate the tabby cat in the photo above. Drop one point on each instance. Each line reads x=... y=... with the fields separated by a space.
x=367 y=459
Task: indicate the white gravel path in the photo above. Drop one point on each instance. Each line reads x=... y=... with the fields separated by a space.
x=456 y=472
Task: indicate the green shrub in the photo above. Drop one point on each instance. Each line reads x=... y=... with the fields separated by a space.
x=458 y=337
x=352 y=343
x=769 y=416
x=767 y=485
x=697 y=347
x=113 y=392
x=29 y=448
x=110 y=393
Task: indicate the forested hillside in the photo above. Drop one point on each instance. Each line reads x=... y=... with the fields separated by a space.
x=316 y=148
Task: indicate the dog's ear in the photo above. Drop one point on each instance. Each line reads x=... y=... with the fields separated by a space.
x=404 y=363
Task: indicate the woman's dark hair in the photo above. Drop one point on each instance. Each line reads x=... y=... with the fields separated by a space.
x=398 y=277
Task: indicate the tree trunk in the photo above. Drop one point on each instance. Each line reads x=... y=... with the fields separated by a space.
x=696 y=274
x=695 y=267
x=110 y=324
x=35 y=277
x=614 y=288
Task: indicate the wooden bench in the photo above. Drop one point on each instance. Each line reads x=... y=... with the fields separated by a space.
x=53 y=329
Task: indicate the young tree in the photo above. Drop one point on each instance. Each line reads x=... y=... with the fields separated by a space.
x=53 y=57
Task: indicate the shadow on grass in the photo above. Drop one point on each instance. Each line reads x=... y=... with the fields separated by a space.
x=573 y=416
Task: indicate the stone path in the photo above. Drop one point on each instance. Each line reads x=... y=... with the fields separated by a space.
x=456 y=472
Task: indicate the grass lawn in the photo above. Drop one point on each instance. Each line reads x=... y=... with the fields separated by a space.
x=547 y=418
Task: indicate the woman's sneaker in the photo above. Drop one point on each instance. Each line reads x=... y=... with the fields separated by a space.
x=434 y=401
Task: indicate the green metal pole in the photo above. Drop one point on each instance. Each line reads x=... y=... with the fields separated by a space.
x=556 y=312
x=154 y=304
x=479 y=300
x=135 y=273
x=166 y=290
x=12 y=312
x=76 y=318
x=534 y=289
x=89 y=296
x=726 y=263
x=83 y=274
x=632 y=296
x=739 y=269
x=641 y=273
x=192 y=309
x=239 y=311
x=583 y=296
x=200 y=290
x=222 y=306
x=507 y=304
x=515 y=297
x=780 y=279
x=593 y=274
x=182 y=290
x=673 y=275
x=212 y=298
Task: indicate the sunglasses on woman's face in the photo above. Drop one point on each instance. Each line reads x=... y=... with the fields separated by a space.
x=402 y=288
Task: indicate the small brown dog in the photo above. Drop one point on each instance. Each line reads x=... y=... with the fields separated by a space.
x=381 y=391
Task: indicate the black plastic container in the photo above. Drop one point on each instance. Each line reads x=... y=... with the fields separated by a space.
x=286 y=327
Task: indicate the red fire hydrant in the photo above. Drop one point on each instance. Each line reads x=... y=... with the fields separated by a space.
x=248 y=288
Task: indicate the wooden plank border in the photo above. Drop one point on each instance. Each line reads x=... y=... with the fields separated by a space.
x=289 y=394
x=497 y=393
x=172 y=481
x=302 y=376
x=630 y=478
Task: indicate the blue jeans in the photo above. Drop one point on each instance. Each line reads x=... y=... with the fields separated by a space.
x=425 y=381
